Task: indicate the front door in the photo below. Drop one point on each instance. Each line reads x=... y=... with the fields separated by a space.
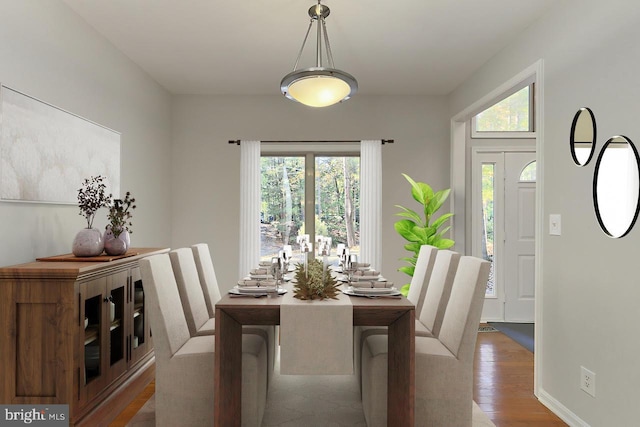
x=519 y=243
x=503 y=225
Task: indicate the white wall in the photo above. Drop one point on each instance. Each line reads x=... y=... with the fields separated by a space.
x=591 y=294
x=206 y=172
x=48 y=52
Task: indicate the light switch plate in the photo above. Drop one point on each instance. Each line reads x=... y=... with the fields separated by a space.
x=555 y=225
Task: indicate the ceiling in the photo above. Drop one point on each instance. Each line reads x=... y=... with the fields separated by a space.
x=406 y=47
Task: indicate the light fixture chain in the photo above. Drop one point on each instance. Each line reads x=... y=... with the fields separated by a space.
x=295 y=66
x=327 y=45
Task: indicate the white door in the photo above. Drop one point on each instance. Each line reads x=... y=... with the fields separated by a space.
x=519 y=242
x=503 y=224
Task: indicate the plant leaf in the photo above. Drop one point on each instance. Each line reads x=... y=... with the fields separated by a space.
x=422 y=233
x=445 y=243
x=411 y=261
x=438 y=199
x=408 y=213
x=405 y=228
x=413 y=247
x=407 y=270
x=444 y=230
x=441 y=219
x=404 y=290
x=420 y=191
x=423 y=190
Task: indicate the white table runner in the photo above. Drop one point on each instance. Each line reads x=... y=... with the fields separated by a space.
x=316 y=337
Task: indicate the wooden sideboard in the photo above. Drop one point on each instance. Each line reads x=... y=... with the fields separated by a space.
x=75 y=333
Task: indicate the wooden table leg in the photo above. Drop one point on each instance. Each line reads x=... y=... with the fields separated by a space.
x=401 y=374
x=228 y=371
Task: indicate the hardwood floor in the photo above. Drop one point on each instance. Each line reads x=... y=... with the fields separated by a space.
x=129 y=412
x=503 y=386
x=503 y=383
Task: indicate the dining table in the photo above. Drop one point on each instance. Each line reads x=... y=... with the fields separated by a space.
x=233 y=312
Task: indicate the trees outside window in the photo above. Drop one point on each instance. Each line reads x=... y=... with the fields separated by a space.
x=336 y=204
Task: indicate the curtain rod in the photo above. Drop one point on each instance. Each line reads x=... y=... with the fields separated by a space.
x=237 y=141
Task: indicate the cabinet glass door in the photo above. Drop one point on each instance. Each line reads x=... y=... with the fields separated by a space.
x=117 y=323
x=93 y=342
x=141 y=339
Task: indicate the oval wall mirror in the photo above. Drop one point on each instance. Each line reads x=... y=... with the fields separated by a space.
x=583 y=136
x=616 y=186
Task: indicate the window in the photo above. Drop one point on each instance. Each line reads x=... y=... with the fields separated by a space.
x=334 y=195
x=282 y=182
x=488 y=192
x=510 y=117
x=528 y=172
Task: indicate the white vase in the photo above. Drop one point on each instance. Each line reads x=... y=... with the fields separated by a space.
x=88 y=242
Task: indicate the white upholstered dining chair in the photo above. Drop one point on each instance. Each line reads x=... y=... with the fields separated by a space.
x=191 y=294
x=211 y=291
x=417 y=290
x=207 y=274
x=421 y=275
x=443 y=364
x=185 y=364
x=429 y=319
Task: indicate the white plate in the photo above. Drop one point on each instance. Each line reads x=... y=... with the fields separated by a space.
x=371 y=291
x=253 y=290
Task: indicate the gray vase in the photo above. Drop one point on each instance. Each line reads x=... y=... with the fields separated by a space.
x=115 y=245
x=88 y=242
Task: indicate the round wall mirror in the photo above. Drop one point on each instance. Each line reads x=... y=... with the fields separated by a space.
x=616 y=186
x=583 y=136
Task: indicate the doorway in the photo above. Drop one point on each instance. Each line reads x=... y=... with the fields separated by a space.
x=503 y=211
x=461 y=183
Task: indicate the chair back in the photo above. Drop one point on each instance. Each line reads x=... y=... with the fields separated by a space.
x=461 y=318
x=191 y=295
x=439 y=290
x=421 y=275
x=170 y=330
x=207 y=274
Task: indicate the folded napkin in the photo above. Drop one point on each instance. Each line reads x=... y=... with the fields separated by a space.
x=367 y=273
x=259 y=271
x=257 y=283
x=371 y=284
x=264 y=263
x=363 y=264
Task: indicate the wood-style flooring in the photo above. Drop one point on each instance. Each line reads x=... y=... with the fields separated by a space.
x=503 y=386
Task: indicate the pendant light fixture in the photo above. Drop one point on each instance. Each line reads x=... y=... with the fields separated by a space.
x=318 y=86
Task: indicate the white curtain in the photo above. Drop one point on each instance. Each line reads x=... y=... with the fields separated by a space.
x=249 y=206
x=371 y=202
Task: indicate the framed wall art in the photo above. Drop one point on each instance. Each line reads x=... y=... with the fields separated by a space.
x=46 y=152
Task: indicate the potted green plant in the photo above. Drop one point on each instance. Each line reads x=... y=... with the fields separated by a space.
x=116 y=235
x=422 y=231
x=91 y=197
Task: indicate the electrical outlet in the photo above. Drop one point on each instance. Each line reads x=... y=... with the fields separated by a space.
x=588 y=381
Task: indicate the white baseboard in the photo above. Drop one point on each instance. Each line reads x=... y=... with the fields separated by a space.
x=491 y=320
x=560 y=410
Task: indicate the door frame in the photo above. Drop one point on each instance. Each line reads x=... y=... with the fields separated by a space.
x=460 y=162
